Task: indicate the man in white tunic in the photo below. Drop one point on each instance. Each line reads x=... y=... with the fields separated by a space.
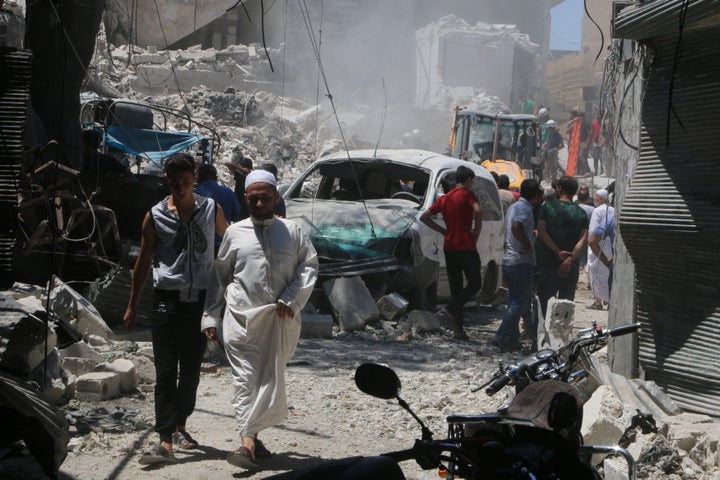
x=598 y=272
x=266 y=269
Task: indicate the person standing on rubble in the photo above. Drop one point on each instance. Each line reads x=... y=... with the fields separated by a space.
x=266 y=270
x=240 y=166
x=177 y=241
x=463 y=219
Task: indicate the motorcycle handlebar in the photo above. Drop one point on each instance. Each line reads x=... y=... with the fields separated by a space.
x=624 y=330
x=401 y=455
x=498 y=384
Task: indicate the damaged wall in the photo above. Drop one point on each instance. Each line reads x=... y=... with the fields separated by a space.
x=456 y=60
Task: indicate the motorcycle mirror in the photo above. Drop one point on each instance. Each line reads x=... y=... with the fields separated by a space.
x=377 y=380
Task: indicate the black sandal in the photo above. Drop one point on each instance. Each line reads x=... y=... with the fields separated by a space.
x=183 y=440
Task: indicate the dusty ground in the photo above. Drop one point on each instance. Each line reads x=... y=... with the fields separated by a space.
x=329 y=418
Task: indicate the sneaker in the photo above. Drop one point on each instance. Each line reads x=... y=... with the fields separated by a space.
x=595 y=306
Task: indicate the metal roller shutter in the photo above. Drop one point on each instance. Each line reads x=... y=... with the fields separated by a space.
x=670 y=219
x=14 y=92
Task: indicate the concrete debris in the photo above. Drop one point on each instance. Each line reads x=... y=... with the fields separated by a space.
x=558 y=323
x=24 y=338
x=496 y=48
x=77 y=311
x=423 y=321
x=392 y=305
x=351 y=302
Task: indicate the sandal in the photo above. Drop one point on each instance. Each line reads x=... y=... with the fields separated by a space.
x=156 y=456
x=242 y=457
x=595 y=306
x=183 y=440
x=260 y=450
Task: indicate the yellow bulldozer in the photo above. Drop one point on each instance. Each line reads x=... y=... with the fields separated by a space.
x=503 y=143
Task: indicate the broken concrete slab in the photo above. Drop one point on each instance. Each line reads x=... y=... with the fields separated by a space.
x=81 y=350
x=78 y=366
x=351 y=302
x=97 y=386
x=316 y=325
x=144 y=368
x=604 y=418
x=558 y=324
x=424 y=321
x=77 y=311
x=123 y=367
x=392 y=305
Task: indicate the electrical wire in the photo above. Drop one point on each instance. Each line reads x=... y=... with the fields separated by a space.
x=317 y=83
x=316 y=50
x=262 y=31
x=602 y=36
x=676 y=64
x=382 y=121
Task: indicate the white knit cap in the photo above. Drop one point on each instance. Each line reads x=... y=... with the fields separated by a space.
x=260 y=176
x=602 y=194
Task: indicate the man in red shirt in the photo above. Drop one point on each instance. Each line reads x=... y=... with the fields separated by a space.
x=463 y=219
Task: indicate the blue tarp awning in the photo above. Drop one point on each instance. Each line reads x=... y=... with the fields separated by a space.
x=154 y=145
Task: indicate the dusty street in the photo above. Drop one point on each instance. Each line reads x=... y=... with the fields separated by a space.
x=329 y=418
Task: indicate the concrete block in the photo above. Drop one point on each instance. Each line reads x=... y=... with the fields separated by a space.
x=392 y=305
x=126 y=369
x=604 y=418
x=424 y=322
x=615 y=469
x=558 y=324
x=351 y=302
x=78 y=366
x=236 y=53
x=97 y=386
x=55 y=391
x=316 y=325
x=75 y=309
x=148 y=58
x=81 y=350
x=144 y=368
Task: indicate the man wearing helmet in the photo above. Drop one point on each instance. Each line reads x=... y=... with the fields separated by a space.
x=551 y=146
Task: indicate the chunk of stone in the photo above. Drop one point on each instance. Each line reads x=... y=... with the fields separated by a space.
x=78 y=366
x=97 y=386
x=351 y=302
x=604 y=418
x=81 y=350
x=125 y=369
x=78 y=312
x=424 y=322
x=24 y=339
x=316 y=325
x=615 y=468
x=392 y=305
x=558 y=323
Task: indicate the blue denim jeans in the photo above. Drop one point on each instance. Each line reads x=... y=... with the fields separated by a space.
x=519 y=282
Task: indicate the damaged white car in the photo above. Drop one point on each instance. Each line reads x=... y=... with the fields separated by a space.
x=361 y=209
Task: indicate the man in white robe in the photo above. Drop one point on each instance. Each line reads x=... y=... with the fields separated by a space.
x=598 y=272
x=266 y=269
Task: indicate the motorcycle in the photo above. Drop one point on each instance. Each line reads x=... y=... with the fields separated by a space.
x=535 y=437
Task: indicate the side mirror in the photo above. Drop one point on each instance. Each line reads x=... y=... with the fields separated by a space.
x=377 y=381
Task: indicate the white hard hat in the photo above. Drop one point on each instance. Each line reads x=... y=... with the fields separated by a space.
x=542 y=112
x=551 y=124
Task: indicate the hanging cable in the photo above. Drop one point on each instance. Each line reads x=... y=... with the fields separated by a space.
x=316 y=50
x=602 y=36
x=262 y=32
x=317 y=82
x=282 y=95
x=382 y=121
x=172 y=67
x=676 y=64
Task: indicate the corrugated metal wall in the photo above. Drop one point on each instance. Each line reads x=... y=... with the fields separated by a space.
x=14 y=91
x=670 y=219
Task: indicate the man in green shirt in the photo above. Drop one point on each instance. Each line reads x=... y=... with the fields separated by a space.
x=562 y=234
x=526 y=105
